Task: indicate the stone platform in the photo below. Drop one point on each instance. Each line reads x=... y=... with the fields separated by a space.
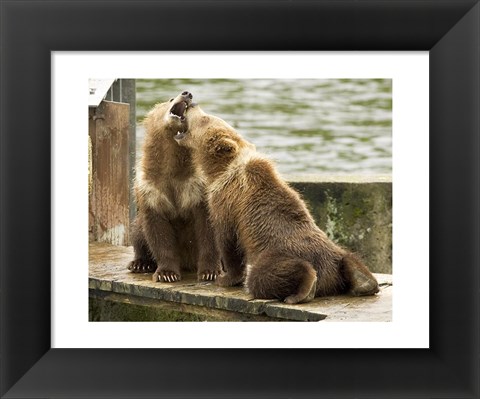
x=118 y=295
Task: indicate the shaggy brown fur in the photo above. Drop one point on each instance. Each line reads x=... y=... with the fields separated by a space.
x=264 y=232
x=171 y=231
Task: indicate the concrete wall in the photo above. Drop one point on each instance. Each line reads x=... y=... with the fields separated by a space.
x=355 y=211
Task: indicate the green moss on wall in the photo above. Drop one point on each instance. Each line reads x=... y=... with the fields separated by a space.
x=356 y=216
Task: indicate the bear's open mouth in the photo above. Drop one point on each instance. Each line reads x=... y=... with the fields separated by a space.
x=179 y=109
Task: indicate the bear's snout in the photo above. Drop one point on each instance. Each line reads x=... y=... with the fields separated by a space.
x=187 y=94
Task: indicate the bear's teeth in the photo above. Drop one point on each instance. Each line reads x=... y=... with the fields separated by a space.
x=179 y=135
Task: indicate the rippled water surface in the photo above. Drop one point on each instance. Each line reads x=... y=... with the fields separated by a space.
x=307 y=126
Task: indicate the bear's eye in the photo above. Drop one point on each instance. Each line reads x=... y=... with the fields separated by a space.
x=171 y=100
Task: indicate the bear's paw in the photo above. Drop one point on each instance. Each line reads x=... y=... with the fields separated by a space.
x=141 y=266
x=166 y=276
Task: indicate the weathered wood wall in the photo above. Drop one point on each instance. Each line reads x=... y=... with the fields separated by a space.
x=109 y=197
x=124 y=91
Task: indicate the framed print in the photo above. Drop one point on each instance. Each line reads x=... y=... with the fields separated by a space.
x=319 y=77
x=32 y=367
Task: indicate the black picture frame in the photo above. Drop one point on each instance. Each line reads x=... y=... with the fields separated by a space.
x=449 y=30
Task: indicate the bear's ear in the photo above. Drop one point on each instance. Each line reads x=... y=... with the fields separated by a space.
x=223 y=146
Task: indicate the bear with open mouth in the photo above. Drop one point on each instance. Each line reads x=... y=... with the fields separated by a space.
x=171 y=232
x=265 y=235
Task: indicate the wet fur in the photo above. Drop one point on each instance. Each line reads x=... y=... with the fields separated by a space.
x=171 y=232
x=264 y=232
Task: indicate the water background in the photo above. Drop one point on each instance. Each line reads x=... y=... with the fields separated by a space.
x=333 y=126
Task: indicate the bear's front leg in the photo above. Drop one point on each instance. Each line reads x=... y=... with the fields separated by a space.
x=208 y=267
x=232 y=259
x=143 y=261
x=162 y=242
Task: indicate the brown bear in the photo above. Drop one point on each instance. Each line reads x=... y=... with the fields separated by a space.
x=264 y=232
x=171 y=232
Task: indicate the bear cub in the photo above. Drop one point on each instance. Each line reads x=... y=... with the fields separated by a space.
x=171 y=232
x=265 y=235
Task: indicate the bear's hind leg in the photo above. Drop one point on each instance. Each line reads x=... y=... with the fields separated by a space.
x=288 y=279
x=307 y=288
x=359 y=278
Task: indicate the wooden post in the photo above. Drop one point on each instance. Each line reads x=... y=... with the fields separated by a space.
x=109 y=214
x=129 y=96
x=124 y=91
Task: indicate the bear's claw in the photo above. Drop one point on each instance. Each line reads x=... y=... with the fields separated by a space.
x=207 y=275
x=141 y=266
x=166 y=276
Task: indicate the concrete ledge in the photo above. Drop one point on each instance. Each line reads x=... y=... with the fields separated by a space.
x=117 y=294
